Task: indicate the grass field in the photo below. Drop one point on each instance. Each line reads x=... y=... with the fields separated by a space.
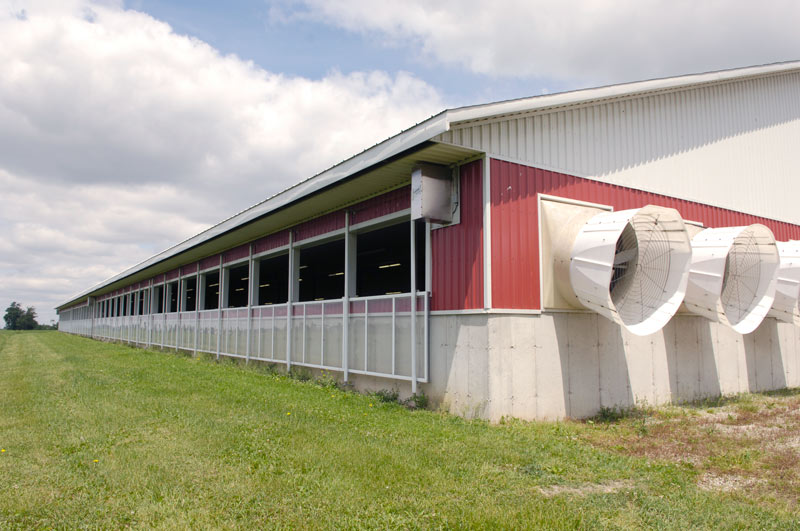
x=104 y=436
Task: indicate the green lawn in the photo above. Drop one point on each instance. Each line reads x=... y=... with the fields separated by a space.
x=102 y=435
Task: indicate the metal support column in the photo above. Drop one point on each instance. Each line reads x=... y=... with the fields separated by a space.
x=250 y=278
x=426 y=345
x=220 y=293
x=196 y=308
x=346 y=299
x=289 y=309
x=164 y=310
x=179 y=307
x=413 y=267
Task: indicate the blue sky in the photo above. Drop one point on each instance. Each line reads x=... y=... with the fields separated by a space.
x=312 y=48
x=128 y=126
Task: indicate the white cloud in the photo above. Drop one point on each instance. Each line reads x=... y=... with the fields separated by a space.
x=119 y=138
x=583 y=41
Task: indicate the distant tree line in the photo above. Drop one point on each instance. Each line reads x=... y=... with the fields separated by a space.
x=18 y=319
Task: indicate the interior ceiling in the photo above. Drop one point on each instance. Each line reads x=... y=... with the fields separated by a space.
x=378 y=180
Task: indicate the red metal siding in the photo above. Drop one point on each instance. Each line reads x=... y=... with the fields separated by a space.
x=158 y=279
x=175 y=273
x=189 y=268
x=515 y=236
x=457 y=251
x=243 y=251
x=273 y=241
x=515 y=231
x=209 y=262
x=319 y=226
x=382 y=205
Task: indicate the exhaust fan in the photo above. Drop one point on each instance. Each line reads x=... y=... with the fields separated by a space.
x=629 y=266
x=787 y=286
x=732 y=277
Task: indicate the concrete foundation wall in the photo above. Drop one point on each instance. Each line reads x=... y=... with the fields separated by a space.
x=558 y=365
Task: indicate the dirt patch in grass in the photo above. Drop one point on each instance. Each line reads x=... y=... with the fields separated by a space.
x=748 y=445
x=585 y=490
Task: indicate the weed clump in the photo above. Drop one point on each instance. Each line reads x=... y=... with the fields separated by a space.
x=417 y=401
x=387 y=396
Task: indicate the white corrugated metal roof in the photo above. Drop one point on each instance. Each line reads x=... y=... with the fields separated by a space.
x=429 y=129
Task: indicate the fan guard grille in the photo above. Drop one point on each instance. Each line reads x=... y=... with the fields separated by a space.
x=641 y=270
x=741 y=278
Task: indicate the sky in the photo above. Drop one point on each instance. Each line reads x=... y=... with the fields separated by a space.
x=129 y=126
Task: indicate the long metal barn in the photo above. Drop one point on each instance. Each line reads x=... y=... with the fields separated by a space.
x=537 y=258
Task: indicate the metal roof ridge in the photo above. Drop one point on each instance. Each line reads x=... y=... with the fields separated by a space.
x=532 y=103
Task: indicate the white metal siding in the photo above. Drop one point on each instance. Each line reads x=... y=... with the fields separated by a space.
x=734 y=144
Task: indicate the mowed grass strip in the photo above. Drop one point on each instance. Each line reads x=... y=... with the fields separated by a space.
x=102 y=435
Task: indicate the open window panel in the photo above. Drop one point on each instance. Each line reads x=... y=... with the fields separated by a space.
x=189 y=294
x=158 y=299
x=172 y=297
x=383 y=260
x=142 y=303
x=237 y=280
x=273 y=280
x=210 y=286
x=321 y=272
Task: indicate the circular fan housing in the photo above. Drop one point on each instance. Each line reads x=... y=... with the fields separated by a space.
x=632 y=266
x=733 y=275
x=787 y=285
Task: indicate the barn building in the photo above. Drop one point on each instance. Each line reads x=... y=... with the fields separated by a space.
x=537 y=258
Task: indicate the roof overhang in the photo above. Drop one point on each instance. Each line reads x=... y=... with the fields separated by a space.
x=280 y=212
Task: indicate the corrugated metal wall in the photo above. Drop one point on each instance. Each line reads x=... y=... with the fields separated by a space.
x=242 y=251
x=457 y=251
x=273 y=241
x=381 y=205
x=319 y=226
x=209 y=262
x=732 y=144
x=515 y=228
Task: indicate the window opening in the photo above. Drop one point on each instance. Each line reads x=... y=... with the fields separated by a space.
x=321 y=272
x=189 y=294
x=158 y=299
x=211 y=290
x=172 y=292
x=383 y=259
x=237 y=285
x=273 y=280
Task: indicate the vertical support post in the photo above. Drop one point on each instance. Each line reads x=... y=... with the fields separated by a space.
x=346 y=298
x=92 y=311
x=413 y=268
x=163 y=310
x=428 y=279
x=220 y=293
x=322 y=334
x=250 y=290
x=291 y=295
x=487 y=233
x=179 y=307
x=394 y=329
x=271 y=336
x=150 y=317
x=196 y=308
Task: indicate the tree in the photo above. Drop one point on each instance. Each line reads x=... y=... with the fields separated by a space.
x=18 y=319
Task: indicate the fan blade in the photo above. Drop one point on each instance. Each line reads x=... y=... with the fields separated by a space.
x=625 y=256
